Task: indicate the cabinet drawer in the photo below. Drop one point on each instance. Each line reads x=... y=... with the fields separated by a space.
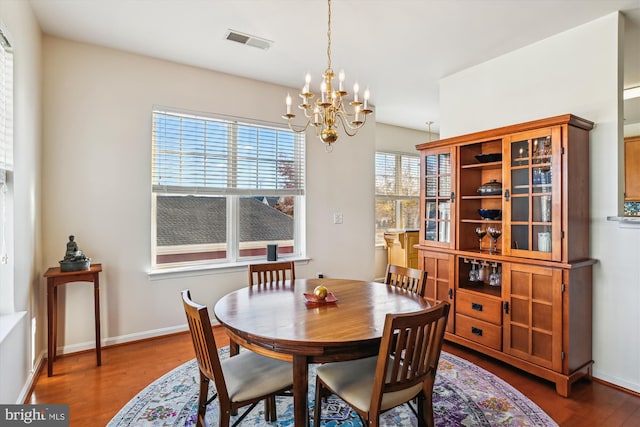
x=479 y=306
x=479 y=331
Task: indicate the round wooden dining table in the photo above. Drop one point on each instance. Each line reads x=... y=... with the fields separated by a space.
x=279 y=322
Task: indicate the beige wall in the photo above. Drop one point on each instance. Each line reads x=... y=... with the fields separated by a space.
x=574 y=72
x=97 y=145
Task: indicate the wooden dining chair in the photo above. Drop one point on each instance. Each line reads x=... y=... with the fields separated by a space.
x=242 y=380
x=376 y=384
x=271 y=273
x=412 y=279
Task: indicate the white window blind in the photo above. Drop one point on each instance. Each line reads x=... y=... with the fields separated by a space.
x=218 y=156
x=397 y=192
x=397 y=175
x=6 y=179
x=6 y=107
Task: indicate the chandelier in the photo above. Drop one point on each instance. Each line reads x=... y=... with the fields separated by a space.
x=329 y=108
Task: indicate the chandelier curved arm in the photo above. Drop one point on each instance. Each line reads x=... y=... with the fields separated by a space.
x=298 y=128
x=348 y=128
x=347 y=124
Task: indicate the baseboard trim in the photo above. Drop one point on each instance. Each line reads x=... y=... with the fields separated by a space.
x=617 y=383
x=121 y=339
x=27 y=388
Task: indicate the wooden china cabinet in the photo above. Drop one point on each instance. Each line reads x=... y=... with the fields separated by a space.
x=524 y=295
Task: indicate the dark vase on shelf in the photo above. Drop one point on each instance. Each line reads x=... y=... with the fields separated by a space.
x=491 y=188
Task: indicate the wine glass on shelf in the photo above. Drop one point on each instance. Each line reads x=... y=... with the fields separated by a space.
x=473 y=273
x=495 y=278
x=494 y=233
x=480 y=232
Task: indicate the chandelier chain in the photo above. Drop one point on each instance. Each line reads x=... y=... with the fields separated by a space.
x=329 y=36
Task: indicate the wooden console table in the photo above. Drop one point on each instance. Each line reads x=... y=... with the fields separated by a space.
x=56 y=278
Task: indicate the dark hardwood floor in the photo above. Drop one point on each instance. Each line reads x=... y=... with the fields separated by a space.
x=96 y=394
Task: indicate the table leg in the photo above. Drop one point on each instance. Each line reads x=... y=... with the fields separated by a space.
x=234 y=348
x=300 y=390
x=96 y=301
x=50 y=328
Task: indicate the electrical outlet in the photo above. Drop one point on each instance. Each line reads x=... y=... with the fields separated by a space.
x=337 y=218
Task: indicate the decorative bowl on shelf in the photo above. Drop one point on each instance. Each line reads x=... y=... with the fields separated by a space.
x=491 y=188
x=489 y=157
x=490 y=213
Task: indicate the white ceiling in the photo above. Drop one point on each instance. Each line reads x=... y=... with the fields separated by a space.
x=398 y=48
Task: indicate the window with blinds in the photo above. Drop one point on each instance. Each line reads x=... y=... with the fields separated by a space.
x=224 y=188
x=6 y=175
x=397 y=188
x=6 y=107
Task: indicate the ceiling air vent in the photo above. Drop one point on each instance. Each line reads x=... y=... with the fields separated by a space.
x=249 y=40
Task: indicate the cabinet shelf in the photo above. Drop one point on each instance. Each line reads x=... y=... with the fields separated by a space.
x=524 y=161
x=497 y=196
x=488 y=165
x=526 y=187
x=480 y=287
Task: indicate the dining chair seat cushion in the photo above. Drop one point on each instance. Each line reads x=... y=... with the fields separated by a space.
x=249 y=375
x=353 y=381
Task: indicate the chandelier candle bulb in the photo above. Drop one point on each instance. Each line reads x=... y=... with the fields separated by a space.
x=366 y=98
x=288 y=104
x=356 y=88
x=307 y=82
x=341 y=81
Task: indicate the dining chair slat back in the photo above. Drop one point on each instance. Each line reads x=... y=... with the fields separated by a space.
x=272 y=273
x=241 y=378
x=374 y=385
x=412 y=279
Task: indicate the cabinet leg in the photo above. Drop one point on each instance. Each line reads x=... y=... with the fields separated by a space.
x=563 y=385
x=563 y=388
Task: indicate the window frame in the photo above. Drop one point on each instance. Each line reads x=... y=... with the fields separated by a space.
x=232 y=195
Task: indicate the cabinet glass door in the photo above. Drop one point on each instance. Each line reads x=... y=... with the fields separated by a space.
x=532 y=204
x=438 y=206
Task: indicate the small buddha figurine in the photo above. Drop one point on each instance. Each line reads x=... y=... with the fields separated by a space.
x=73 y=253
x=74 y=259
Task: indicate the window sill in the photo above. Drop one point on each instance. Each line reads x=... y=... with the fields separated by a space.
x=626 y=221
x=8 y=322
x=206 y=269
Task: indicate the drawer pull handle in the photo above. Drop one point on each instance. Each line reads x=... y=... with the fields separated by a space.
x=476 y=331
x=476 y=306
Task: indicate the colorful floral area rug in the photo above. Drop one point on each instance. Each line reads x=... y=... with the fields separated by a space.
x=464 y=395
